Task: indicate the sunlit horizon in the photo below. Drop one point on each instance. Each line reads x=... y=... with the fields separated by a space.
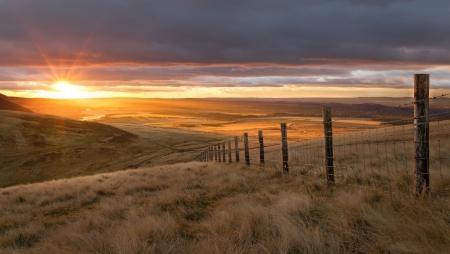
x=64 y=90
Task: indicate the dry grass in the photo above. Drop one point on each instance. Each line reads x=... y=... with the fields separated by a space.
x=215 y=208
x=384 y=157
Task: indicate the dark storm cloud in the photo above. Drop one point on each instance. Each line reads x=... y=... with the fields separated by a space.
x=28 y=78
x=22 y=86
x=381 y=3
x=266 y=32
x=159 y=73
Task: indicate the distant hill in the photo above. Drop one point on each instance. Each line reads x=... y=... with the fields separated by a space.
x=5 y=104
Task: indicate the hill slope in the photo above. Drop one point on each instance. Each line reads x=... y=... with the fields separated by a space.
x=37 y=147
x=215 y=208
x=5 y=104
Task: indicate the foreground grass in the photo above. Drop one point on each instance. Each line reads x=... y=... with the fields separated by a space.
x=212 y=208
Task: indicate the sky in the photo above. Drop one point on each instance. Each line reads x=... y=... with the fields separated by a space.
x=226 y=48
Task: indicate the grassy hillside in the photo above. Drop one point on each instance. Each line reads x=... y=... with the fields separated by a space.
x=215 y=208
x=36 y=147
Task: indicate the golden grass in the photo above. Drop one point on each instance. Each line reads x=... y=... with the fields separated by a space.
x=215 y=208
x=238 y=124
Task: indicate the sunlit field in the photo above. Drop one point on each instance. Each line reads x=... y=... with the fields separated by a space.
x=237 y=126
x=232 y=116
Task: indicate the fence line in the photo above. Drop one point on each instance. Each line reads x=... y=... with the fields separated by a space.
x=402 y=158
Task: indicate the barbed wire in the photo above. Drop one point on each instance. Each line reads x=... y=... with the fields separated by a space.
x=364 y=114
x=375 y=111
x=376 y=157
x=365 y=155
x=413 y=118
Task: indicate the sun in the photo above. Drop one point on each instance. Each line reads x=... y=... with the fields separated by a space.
x=65 y=90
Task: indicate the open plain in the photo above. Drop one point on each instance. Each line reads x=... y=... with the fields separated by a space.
x=102 y=179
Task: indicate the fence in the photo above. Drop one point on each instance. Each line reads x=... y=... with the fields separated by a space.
x=403 y=158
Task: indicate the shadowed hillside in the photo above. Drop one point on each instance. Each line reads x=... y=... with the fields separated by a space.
x=37 y=147
x=5 y=104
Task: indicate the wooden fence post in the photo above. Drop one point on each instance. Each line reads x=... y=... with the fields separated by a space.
x=215 y=153
x=229 y=151
x=210 y=153
x=223 y=152
x=247 y=153
x=261 y=147
x=236 y=148
x=218 y=153
x=421 y=134
x=284 y=148
x=328 y=134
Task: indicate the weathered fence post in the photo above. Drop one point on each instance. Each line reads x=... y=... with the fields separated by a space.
x=421 y=134
x=215 y=153
x=236 y=148
x=218 y=152
x=223 y=152
x=229 y=151
x=247 y=153
x=261 y=147
x=210 y=153
x=328 y=134
x=284 y=148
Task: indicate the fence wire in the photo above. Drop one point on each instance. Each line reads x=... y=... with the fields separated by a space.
x=382 y=158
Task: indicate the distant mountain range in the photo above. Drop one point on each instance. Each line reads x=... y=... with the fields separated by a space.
x=5 y=104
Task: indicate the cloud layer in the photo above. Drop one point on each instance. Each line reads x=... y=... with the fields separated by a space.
x=225 y=43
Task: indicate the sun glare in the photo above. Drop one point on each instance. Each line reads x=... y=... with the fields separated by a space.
x=65 y=90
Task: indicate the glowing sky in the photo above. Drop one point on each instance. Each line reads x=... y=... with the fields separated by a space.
x=216 y=48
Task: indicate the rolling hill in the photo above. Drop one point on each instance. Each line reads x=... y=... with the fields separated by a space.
x=215 y=208
x=35 y=147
